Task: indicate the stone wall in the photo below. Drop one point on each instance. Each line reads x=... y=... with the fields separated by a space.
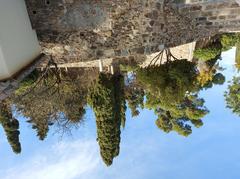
x=83 y=30
x=127 y=28
x=224 y=15
x=201 y=1
x=184 y=51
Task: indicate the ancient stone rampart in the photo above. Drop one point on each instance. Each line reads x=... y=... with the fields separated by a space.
x=83 y=30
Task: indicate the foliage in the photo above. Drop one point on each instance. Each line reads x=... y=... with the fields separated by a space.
x=135 y=99
x=205 y=77
x=41 y=125
x=208 y=53
x=169 y=81
x=207 y=73
x=208 y=78
x=171 y=91
x=106 y=97
x=218 y=79
x=128 y=68
x=50 y=100
x=11 y=126
x=128 y=65
x=178 y=117
x=232 y=96
x=237 y=58
x=27 y=82
x=229 y=40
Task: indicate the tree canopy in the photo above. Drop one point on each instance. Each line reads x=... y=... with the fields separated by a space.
x=169 y=81
x=171 y=91
x=207 y=53
x=179 y=117
x=52 y=100
x=135 y=98
x=106 y=97
x=10 y=126
x=229 y=40
x=232 y=96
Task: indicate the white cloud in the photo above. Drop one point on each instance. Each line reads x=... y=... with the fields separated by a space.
x=64 y=160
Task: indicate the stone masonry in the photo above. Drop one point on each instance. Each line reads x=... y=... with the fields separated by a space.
x=83 y=30
x=74 y=31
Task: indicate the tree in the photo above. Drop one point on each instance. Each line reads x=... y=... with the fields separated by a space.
x=178 y=117
x=171 y=91
x=106 y=97
x=135 y=98
x=229 y=40
x=41 y=125
x=206 y=54
x=169 y=81
x=11 y=126
x=218 y=79
x=53 y=99
x=134 y=94
x=210 y=51
x=232 y=96
x=237 y=56
x=208 y=75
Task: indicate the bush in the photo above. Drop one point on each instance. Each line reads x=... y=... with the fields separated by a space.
x=229 y=40
x=206 y=54
x=218 y=79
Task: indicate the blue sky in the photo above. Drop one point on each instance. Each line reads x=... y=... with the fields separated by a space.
x=212 y=151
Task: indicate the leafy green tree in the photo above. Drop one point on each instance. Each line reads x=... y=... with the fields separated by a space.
x=178 y=117
x=51 y=99
x=41 y=125
x=237 y=58
x=135 y=98
x=206 y=54
x=207 y=75
x=218 y=79
x=106 y=97
x=232 y=96
x=209 y=51
x=229 y=40
x=11 y=126
x=169 y=81
x=171 y=91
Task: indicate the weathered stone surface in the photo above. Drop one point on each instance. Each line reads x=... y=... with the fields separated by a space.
x=83 y=30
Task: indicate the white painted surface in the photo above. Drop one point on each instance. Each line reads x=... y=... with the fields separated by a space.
x=100 y=65
x=18 y=42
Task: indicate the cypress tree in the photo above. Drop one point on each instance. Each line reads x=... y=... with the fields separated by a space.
x=11 y=126
x=106 y=97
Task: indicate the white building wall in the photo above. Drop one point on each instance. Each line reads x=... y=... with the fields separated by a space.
x=18 y=42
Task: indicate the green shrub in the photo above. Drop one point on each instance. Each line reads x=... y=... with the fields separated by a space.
x=206 y=54
x=229 y=40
